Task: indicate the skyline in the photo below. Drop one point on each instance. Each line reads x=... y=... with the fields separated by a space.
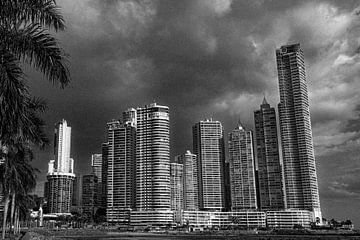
x=188 y=85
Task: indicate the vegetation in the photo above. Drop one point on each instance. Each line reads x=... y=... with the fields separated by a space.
x=25 y=38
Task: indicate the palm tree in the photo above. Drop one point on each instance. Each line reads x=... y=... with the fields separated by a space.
x=25 y=38
x=17 y=177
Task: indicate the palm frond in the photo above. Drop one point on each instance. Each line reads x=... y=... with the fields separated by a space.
x=43 y=12
x=40 y=49
x=13 y=94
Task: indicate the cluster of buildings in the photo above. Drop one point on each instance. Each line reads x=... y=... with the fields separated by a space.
x=138 y=184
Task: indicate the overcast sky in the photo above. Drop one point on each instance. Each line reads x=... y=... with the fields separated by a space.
x=211 y=58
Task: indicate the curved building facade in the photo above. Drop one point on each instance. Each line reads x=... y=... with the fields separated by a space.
x=152 y=158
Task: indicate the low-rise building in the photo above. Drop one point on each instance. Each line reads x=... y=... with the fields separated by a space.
x=244 y=219
x=289 y=218
x=151 y=218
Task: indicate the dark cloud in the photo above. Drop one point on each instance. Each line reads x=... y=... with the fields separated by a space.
x=209 y=58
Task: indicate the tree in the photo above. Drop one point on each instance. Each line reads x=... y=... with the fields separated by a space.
x=25 y=38
x=17 y=177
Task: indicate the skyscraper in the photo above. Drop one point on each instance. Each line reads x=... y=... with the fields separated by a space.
x=190 y=180
x=120 y=171
x=61 y=172
x=301 y=186
x=152 y=158
x=96 y=164
x=242 y=169
x=267 y=149
x=89 y=194
x=176 y=186
x=104 y=169
x=208 y=144
x=63 y=163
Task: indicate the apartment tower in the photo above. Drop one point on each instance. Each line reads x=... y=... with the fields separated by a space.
x=152 y=156
x=89 y=194
x=190 y=180
x=267 y=150
x=120 y=171
x=208 y=145
x=96 y=165
x=301 y=186
x=242 y=169
x=61 y=175
x=176 y=186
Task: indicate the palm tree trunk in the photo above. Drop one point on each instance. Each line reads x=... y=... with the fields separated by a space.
x=6 y=207
x=17 y=223
x=15 y=218
x=12 y=219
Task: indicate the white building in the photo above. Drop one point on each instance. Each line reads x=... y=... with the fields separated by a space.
x=59 y=188
x=208 y=145
x=289 y=218
x=301 y=185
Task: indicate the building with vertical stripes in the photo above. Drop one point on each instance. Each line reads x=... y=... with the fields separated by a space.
x=152 y=157
x=61 y=177
x=301 y=186
x=242 y=169
x=104 y=167
x=190 y=180
x=120 y=171
x=267 y=150
x=208 y=145
x=176 y=186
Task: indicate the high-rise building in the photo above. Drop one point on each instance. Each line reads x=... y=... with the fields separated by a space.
x=190 y=180
x=120 y=171
x=63 y=163
x=301 y=186
x=208 y=144
x=61 y=172
x=104 y=172
x=152 y=158
x=176 y=186
x=89 y=194
x=242 y=169
x=96 y=164
x=267 y=150
x=60 y=190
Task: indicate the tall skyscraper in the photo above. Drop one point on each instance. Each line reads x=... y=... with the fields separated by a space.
x=120 y=171
x=242 y=169
x=208 y=144
x=190 y=180
x=176 y=186
x=61 y=172
x=267 y=149
x=152 y=158
x=301 y=186
x=63 y=163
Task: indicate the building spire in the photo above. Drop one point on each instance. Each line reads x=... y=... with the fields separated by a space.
x=240 y=125
x=264 y=100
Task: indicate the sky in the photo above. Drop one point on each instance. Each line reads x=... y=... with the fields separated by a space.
x=210 y=59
